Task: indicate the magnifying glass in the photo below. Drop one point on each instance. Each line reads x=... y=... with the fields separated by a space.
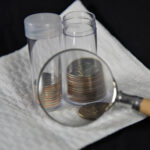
x=75 y=87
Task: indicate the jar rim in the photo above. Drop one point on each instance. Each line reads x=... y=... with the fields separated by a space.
x=68 y=16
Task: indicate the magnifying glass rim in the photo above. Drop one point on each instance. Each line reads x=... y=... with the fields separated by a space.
x=69 y=50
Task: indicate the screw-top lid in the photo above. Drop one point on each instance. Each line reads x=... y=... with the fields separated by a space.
x=42 y=25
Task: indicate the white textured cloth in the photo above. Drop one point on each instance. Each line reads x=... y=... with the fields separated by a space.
x=21 y=126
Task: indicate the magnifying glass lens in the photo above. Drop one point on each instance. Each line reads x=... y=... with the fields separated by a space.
x=76 y=87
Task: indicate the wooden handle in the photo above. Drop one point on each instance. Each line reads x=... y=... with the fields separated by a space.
x=145 y=107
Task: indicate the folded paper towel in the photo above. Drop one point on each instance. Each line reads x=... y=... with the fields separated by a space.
x=23 y=127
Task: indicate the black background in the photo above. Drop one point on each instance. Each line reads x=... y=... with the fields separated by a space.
x=127 y=20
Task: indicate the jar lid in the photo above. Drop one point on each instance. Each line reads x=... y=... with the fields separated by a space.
x=42 y=25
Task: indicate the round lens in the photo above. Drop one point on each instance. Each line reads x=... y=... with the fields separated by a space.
x=75 y=87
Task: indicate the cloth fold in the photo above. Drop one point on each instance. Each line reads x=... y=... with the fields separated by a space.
x=23 y=127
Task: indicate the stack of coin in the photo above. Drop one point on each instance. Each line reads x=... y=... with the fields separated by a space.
x=85 y=80
x=50 y=94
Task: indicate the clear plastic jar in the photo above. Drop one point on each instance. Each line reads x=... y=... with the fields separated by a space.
x=44 y=35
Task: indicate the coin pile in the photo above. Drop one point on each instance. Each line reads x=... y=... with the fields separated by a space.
x=50 y=91
x=85 y=80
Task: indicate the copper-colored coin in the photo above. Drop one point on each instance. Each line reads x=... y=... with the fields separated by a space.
x=85 y=99
x=86 y=78
x=83 y=83
x=49 y=104
x=84 y=88
x=92 y=111
x=87 y=94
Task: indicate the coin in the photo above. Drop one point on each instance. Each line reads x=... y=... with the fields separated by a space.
x=85 y=80
x=92 y=111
